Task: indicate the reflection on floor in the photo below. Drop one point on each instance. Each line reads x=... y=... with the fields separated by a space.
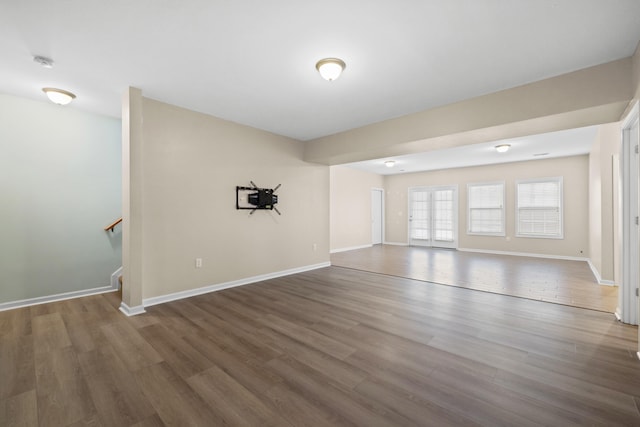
x=558 y=281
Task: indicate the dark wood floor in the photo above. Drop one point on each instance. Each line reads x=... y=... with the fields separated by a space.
x=552 y=280
x=330 y=347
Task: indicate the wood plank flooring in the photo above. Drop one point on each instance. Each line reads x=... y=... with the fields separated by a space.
x=330 y=347
x=557 y=281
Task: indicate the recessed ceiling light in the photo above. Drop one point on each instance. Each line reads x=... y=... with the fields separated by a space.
x=330 y=68
x=389 y=163
x=58 y=96
x=502 y=148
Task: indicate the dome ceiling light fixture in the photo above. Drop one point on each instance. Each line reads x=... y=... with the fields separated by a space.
x=502 y=148
x=58 y=96
x=330 y=68
x=390 y=163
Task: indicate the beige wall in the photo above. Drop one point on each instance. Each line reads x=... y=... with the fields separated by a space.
x=576 y=227
x=191 y=164
x=351 y=206
x=602 y=199
x=595 y=204
x=636 y=72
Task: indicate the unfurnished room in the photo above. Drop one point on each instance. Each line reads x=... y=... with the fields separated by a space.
x=319 y=214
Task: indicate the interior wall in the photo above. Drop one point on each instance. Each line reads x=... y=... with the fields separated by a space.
x=602 y=199
x=60 y=186
x=191 y=165
x=350 y=192
x=635 y=61
x=595 y=204
x=574 y=171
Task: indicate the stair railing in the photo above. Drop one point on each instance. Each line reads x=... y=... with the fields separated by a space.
x=113 y=225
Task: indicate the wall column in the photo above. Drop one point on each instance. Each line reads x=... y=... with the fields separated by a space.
x=132 y=190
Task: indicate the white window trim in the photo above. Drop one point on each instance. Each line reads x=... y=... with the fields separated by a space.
x=560 y=236
x=504 y=217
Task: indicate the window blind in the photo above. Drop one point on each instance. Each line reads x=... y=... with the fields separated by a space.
x=539 y=208
x=486 y=208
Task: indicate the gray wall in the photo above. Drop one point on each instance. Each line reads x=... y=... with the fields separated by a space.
x=60 y=185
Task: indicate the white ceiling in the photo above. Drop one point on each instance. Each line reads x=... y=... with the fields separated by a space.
x=571 y=142
x=252 y=61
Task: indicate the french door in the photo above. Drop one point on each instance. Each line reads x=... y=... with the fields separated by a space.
x=433 y=216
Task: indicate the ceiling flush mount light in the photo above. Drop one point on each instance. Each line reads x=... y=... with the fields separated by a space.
x=330 y=68
x=58 y=96
x=44 y=61
x=503 y=148
x=389 y=163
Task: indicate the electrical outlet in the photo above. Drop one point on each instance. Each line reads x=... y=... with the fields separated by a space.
x=198 y=262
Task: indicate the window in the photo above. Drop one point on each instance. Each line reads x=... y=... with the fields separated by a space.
x=539 y=208
x=486 y=208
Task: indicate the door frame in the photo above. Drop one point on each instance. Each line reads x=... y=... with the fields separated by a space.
x=432 y=188
x=628 y=301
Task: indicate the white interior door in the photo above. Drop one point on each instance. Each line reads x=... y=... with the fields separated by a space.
x=433 y=216
x=376 y=216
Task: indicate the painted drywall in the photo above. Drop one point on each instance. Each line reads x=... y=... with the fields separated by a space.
x=595 y=204
x=191 y=164
x=602 y=199
x=574 y=170
x=585 y=97
x=350 y=203
x=132 y=192
x=60 y=186
x=635 y=60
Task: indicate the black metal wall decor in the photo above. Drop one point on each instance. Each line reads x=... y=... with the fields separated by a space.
x=257 y=198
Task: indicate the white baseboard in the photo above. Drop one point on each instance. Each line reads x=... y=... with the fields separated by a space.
x=147 y=302
x=352 y=248
x=525 y=254
x=115 y=283
x=53 y=298
x=396 y=243
x=596 y=273
x=617 y=314
x=594 y=270
x=131 y=311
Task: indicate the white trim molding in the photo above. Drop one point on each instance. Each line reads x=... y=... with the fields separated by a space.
x=352 y=248
x=53 y=298
x=594 y=271
x=628 y=230
x=599 y=278
x=131 y=311
x=526 y=254
x=115 y=283
x=148 y=302
x=617 y=314
x=396 y=243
